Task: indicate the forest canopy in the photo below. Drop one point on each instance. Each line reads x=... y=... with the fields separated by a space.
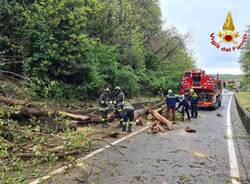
x=74 y=48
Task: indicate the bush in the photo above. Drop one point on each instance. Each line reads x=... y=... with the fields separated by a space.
x=128 y=81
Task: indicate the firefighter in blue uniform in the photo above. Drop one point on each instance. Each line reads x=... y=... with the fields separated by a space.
x=171 y=102
x=128 y=117
x=104 y=106
x=118 y=104
x=194 y=99
x=184 y=105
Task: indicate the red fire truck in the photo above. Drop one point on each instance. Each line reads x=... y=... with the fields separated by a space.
x=207 y=87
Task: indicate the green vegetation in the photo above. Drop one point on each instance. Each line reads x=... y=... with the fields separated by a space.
x=244 y=99
x=73 y=48
x=230 y=86
x=230 y=77
x=34 y=148
x=59 y=54
x=245 y=64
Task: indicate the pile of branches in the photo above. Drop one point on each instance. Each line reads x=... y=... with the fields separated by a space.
x=32 y=141
x=28 y=132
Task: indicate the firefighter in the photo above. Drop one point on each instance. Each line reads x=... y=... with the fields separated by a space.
x=184 y=105
x=194 y=103
x=104 y=106
x=118 y=103
x=128 y=117
x=171 y=101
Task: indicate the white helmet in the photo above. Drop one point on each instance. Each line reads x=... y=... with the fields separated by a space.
x=107 y=90
x=170 y=91
x=117 y=88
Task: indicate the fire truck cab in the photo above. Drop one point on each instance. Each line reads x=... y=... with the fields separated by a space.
x=206 y=86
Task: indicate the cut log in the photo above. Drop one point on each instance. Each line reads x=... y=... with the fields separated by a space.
x=111 y=117
x=161 y=128
x=158 y=127
x=162 y=119
x=10 y=101
x=74 y=116
x=140 y=121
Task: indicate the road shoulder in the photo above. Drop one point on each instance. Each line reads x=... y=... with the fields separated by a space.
x=242 y=141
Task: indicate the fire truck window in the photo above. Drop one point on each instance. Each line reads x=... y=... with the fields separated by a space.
x=196 y=80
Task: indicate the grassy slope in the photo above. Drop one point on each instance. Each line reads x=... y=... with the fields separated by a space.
x=244 y=99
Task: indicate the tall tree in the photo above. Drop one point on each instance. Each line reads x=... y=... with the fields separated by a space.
x=245 y=63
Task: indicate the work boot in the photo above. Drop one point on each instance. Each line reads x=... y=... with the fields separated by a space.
x=124 y=127
x=129 y=127
x=120 y=125
x=182 y=118
x=105 y=125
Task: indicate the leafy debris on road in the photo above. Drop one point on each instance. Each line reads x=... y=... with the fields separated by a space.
x=199 y=154
x=111 y=135
x=219 y=115
x=190 y=130
x=184 y=180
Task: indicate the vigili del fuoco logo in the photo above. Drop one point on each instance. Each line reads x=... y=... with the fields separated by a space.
x=229 y=38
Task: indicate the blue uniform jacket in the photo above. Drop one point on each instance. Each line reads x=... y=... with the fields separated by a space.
x=185 y=102
x=194 y=99
x=171 y=100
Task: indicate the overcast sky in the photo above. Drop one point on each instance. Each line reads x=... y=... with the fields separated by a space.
x=203 y=17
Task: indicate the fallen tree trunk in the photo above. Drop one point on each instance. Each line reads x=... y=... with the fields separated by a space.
x=158 y=106
x=28 y=112
x=10 y=101
x=161 y=119
x=59 y=155
x=74 y=116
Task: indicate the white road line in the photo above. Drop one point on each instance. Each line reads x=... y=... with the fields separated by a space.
x=234 y=170
x=62 y=169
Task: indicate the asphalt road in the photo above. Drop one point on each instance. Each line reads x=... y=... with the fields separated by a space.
x=176 y=157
